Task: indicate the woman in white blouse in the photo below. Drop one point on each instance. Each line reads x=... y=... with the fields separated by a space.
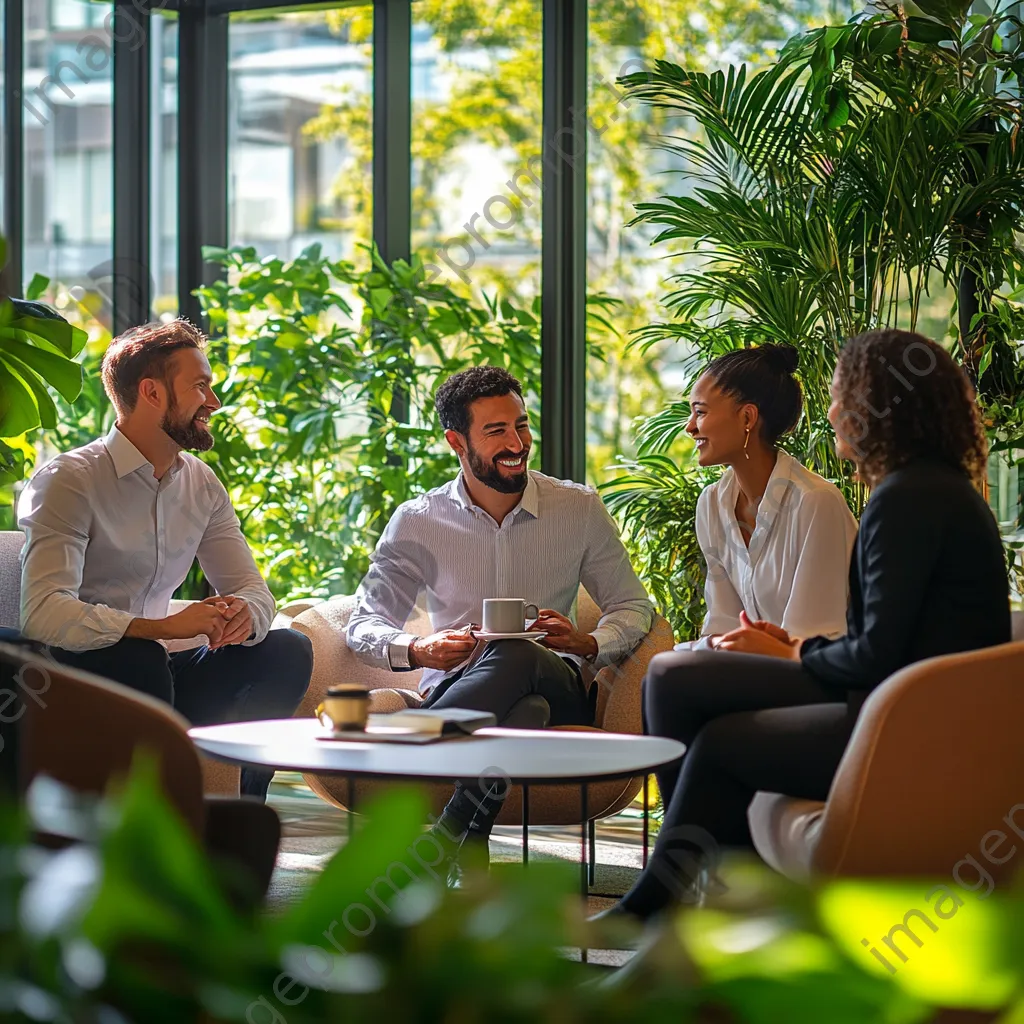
x=777 y=538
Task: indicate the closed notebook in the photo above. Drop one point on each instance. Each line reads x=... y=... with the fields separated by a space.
x=418 y=725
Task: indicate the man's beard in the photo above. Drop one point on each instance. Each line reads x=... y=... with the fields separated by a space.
x=488 y=472
x=185 y=434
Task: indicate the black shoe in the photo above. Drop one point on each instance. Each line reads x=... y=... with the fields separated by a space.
x=473 y=857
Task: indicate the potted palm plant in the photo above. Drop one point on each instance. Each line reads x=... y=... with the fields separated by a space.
x=870 y=177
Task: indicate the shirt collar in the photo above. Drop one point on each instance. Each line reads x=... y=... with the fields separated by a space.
x=128 y=459
x=529 y=502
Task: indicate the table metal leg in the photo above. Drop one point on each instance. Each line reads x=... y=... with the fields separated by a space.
x=584 y=874
x=526 y=824
x=592 y=829
x=647 y=818
x=584 y=818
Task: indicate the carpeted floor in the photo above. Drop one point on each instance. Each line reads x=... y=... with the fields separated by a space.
x=314 y=830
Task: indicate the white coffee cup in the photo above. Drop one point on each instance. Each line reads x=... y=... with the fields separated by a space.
x=507 y=614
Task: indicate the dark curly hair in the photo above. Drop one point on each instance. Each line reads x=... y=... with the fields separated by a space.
x=762 y=376
x=455 y=395
x=904 y=398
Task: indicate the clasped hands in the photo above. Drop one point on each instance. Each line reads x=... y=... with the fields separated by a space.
x=449 y=648
x=224 y=619
x=759 y=637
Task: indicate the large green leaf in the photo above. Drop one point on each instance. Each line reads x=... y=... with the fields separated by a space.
x=39 y=322
x=925 y=30
x=949 y=12
x=37 y=347
x=63 y=375
x=46 y=410
x=18 y=409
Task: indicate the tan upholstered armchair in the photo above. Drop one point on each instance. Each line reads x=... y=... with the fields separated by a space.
x=87 y=733
x=618 y=708
x=934 y=765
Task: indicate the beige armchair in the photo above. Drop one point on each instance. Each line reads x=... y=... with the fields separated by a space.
x=934 y=765
x=618 y=709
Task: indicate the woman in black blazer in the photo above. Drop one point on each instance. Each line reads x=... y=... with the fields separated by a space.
x=927 y=577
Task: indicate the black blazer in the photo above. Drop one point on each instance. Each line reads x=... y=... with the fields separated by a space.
x=927 y=577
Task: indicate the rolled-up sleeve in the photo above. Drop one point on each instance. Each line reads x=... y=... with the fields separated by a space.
x=608 y=576
x=385 y=599
x=228 y=564
x=55 y=512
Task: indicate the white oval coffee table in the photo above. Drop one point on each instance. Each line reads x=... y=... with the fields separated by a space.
x=522 y=757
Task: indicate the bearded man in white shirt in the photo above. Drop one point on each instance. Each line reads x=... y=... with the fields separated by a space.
x=498 y=530
x=113 y=528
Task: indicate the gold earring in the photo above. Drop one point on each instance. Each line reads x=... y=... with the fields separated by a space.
x=746 y=441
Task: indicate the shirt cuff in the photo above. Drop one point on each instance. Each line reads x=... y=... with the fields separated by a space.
x=609 y=649
x=398 y=652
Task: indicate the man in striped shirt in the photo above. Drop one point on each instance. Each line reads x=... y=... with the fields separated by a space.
x=497 y=530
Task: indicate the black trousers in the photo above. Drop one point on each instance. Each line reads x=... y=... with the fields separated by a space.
x=749 y=723
x=233 y=684
x=506 y=672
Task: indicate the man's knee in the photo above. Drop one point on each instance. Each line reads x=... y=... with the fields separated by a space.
x=523 y=656
x=140 y=664
x=289 y=655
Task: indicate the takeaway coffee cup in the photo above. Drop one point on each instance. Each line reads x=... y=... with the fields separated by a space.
x=345 y=708
x=507 y=614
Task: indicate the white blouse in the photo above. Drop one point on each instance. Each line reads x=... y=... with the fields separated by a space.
x=795 y=571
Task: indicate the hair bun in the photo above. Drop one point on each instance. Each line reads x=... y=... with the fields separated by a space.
x=783 y=358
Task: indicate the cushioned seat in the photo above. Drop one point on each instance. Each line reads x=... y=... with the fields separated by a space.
x=935 y=763
x=86 y=732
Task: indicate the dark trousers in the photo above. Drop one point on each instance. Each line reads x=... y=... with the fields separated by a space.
x=749 y=723
x=506 y=672
x=233 y=684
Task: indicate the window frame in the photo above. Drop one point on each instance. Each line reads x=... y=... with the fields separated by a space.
x=202 y=198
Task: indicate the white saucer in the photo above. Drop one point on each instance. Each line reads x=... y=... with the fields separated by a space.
x=481 y=634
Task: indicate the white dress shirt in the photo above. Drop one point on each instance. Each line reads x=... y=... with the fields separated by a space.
x=559 y=536
x=795 y=571
x=106 y=542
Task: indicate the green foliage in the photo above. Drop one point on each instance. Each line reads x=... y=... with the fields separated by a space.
x=327 y=374
x=655 y=500
x=37 y=350
x=489 y=59
x=872 y=165
x=135 y=926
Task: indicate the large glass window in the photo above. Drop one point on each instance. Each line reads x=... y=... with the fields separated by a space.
x=164 y=166
x=300 y=146
x=68 y=184
x=625 y=166
x=476 y=143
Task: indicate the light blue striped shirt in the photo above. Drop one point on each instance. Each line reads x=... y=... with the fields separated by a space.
x=559 y=536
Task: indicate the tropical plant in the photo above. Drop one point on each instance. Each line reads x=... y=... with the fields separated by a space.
x=133 y=925
x=327 y=372
x=871 y=170
x=484 y=60
x=37 y=351
x=328 y=379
